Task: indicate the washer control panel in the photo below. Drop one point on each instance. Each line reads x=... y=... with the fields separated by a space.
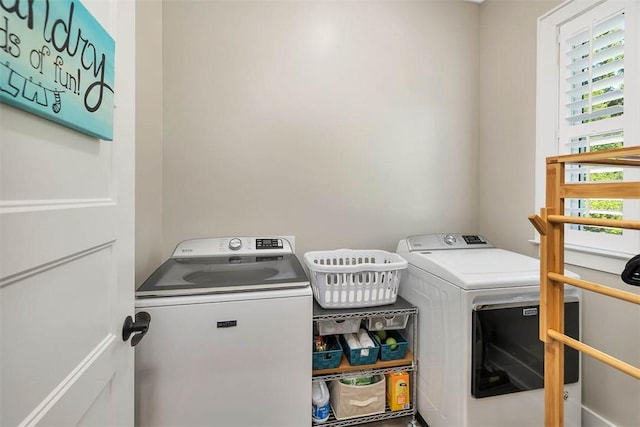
x=219 y=246
x=440 y=241
x=264 y=244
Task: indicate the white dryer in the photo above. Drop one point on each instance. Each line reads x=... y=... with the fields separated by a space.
x=480 y=360
x=230 y=337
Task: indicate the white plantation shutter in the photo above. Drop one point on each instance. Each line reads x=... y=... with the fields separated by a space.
x=592 y=59
x=591 y=111
x=594 y=67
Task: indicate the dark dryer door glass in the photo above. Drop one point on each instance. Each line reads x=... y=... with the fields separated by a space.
x=507 y=354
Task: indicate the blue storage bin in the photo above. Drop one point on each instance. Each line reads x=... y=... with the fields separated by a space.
x=361 y=356
x=328 y=359
x=386 y=353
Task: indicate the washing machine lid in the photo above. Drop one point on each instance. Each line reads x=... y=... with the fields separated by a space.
x=189 y=276
x=479 y=269
x=223 y=265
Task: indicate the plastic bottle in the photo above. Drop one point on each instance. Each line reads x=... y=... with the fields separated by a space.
x=320 y=402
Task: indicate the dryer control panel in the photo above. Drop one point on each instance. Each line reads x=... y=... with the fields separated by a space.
x=441 y=241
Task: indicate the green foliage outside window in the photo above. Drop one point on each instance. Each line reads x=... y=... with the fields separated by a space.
x=605 y=208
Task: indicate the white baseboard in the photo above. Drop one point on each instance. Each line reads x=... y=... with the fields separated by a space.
x=591 y=419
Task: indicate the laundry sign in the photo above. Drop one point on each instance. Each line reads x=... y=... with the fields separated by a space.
x=57 y=61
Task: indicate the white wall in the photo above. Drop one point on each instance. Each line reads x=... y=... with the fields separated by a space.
x=346 y=124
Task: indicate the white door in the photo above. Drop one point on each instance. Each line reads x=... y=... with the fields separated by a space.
x=66 y=257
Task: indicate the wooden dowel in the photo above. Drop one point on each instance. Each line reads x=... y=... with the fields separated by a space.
x=595 y=353
x=603 y=222
x=594 y=287
x=630 y=154
x=631 y=162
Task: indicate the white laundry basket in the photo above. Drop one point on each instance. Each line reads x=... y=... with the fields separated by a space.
x=354 y=278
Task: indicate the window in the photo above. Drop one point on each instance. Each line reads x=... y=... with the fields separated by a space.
x=587 y=61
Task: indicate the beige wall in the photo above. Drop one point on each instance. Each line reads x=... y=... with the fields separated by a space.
x=149 y=174
x=506 y=196
x=507 y=110
x=346 y=124
x=613 y=326
x=349 y=124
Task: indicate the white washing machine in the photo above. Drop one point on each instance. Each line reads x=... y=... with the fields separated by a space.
x=480 y=360
x=229 y=342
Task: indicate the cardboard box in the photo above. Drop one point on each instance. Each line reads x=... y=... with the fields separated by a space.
x=398 y=396
x=350 y=401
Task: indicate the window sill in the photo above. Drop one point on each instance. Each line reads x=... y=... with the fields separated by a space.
x=593 y=258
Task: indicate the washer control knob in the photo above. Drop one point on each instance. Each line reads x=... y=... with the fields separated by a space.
x=449 y=239
x=235 y=244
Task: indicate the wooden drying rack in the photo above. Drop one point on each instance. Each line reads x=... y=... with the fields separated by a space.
x=550 y=225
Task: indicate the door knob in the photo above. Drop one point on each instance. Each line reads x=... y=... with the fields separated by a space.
x=139 y=327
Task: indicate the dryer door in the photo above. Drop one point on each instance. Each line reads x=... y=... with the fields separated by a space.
x=507 y=354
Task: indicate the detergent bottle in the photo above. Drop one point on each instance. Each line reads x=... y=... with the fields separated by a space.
x=320 y=402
